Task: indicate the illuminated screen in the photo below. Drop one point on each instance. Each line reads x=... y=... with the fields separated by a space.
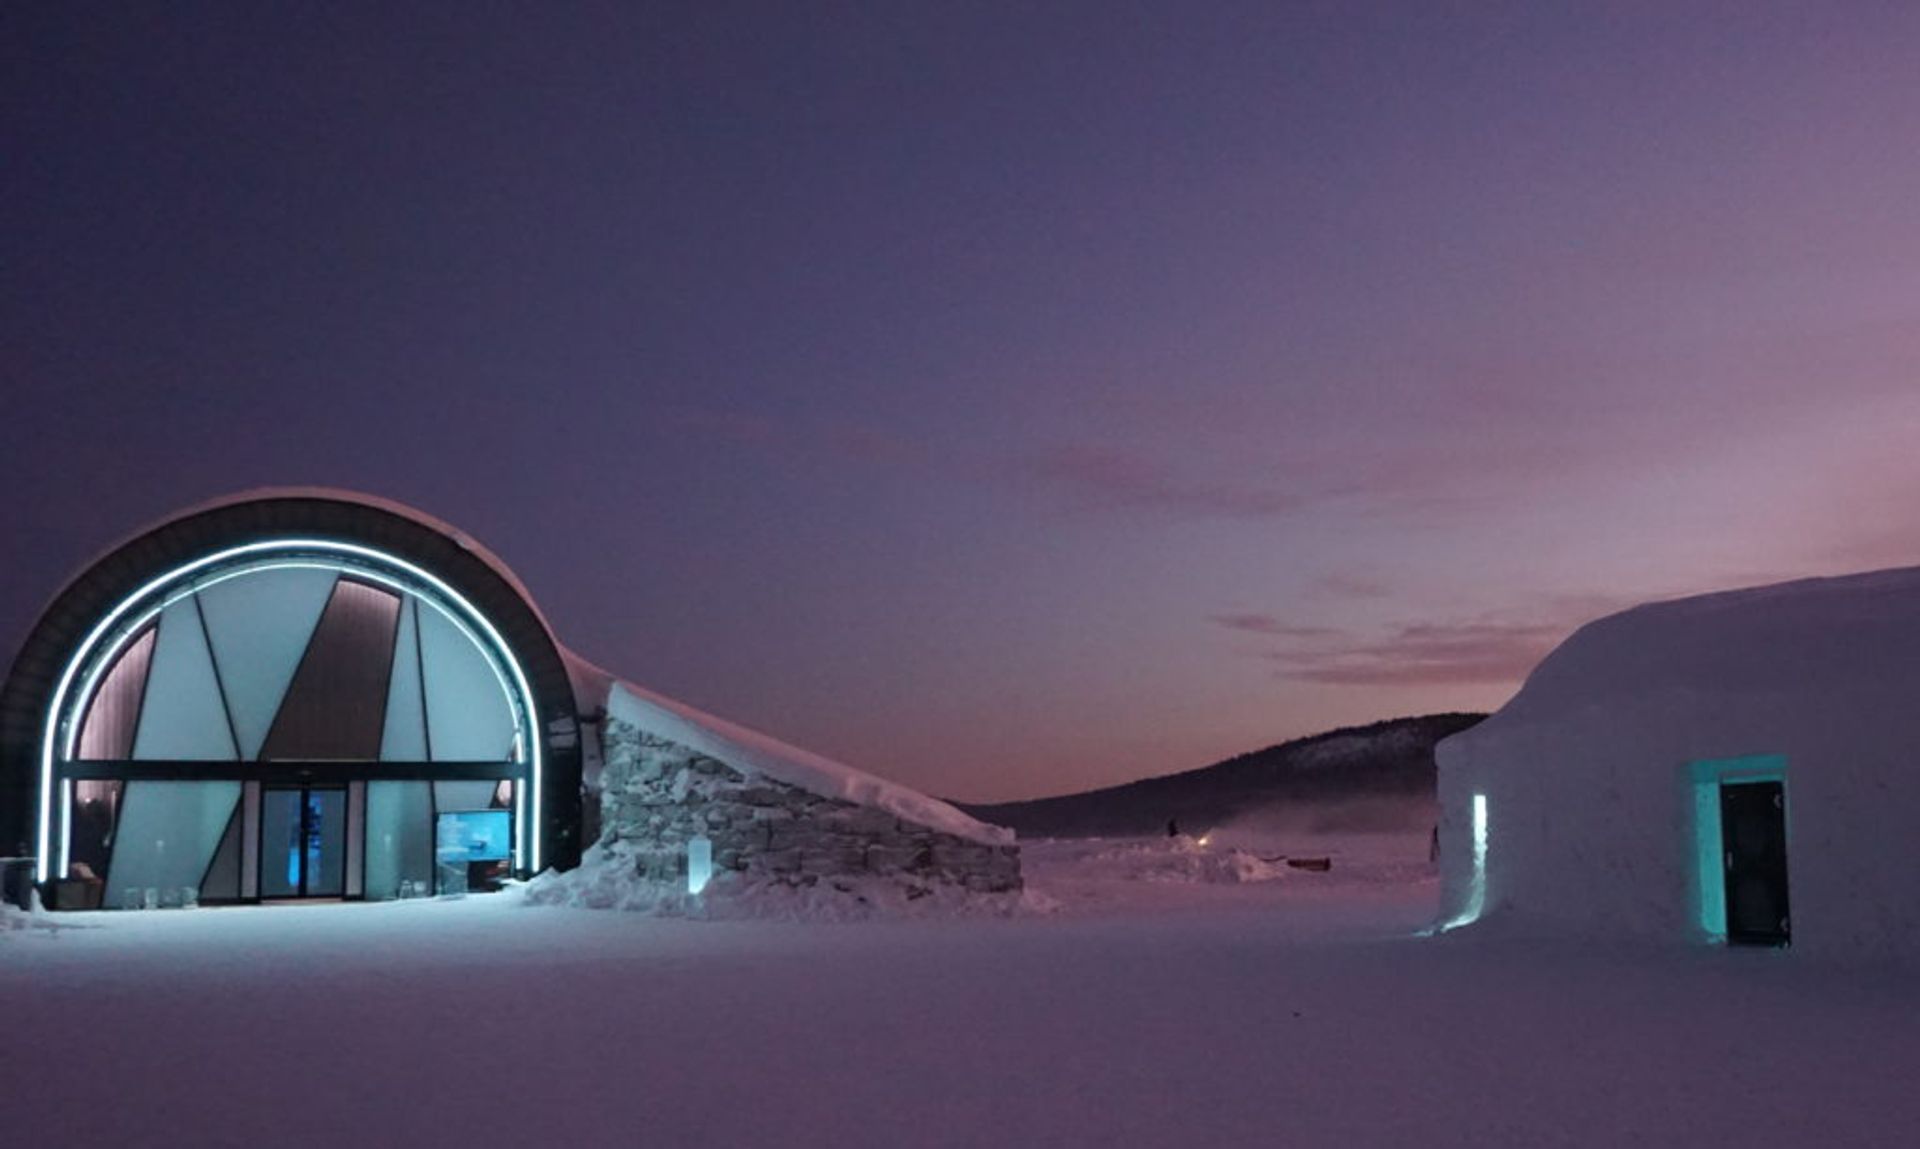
x=475 y=836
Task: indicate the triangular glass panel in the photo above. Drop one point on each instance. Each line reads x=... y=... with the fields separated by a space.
x=468 y=716
x=183 y=717
x=260 y=624
x=405 y=737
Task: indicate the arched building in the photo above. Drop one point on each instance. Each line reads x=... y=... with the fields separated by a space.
x=288 y=694
x=1731 y=768
x=317 y=694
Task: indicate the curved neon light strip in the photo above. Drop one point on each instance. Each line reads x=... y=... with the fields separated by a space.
x=104 y=662
x=43 y=864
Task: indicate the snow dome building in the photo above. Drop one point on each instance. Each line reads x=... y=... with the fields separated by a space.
x=312 y=694
x=1735 y=768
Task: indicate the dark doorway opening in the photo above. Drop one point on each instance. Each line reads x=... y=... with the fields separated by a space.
x=303 y=842
x=1753 y=835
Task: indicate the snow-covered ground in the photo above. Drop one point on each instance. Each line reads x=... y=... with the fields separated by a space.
x=1225 y=869
x=1141 y=1011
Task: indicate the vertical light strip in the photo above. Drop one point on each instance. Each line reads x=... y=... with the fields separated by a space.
x=66 y=826
x=1477 y=889
x=57 y=706
x=1478 y=903
x=699 y=863
x=1710 y=871
x=521 y=839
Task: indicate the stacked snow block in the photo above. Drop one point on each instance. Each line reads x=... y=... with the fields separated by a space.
x=656 y=795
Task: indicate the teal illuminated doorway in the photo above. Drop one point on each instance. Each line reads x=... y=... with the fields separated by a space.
x=1741 y=829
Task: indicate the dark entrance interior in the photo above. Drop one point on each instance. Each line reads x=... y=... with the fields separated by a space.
x=303 y=842
x=1753 y=834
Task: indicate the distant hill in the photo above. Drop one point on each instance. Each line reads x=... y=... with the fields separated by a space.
x=1385 y=764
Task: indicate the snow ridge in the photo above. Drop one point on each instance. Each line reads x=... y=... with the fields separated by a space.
x=752 y=752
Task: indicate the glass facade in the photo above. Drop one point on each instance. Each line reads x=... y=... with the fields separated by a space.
x=182 y=713
x=288 y=727
x=293 y=663
x=399 y=839
x=96 y=807
x=258 y=629
x=115 y=711
x=166 y=839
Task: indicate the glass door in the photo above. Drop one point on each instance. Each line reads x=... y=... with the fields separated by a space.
x=303 y=838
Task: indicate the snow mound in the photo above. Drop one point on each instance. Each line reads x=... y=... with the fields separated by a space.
x=752 y=752
x=1179 y=859
x=15 y=922
x=1844 y=634
x=609 y=878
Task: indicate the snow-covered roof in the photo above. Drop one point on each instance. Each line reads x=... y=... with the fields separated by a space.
x=1820 y=636
x=752 y=752
x=459 y=537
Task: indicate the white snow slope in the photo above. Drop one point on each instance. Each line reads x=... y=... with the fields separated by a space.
x=1282 y=1013
x=752 y=752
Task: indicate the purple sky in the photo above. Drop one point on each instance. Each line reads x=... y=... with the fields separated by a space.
x=1006 y=399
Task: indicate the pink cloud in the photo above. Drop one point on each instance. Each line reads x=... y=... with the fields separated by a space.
x=1428 y=654
x=1268 y=624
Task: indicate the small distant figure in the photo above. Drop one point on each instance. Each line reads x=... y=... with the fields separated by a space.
x=1433 y=845
x=1173 y=827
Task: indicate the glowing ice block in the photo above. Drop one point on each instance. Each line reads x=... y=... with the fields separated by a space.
x=699 y=864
